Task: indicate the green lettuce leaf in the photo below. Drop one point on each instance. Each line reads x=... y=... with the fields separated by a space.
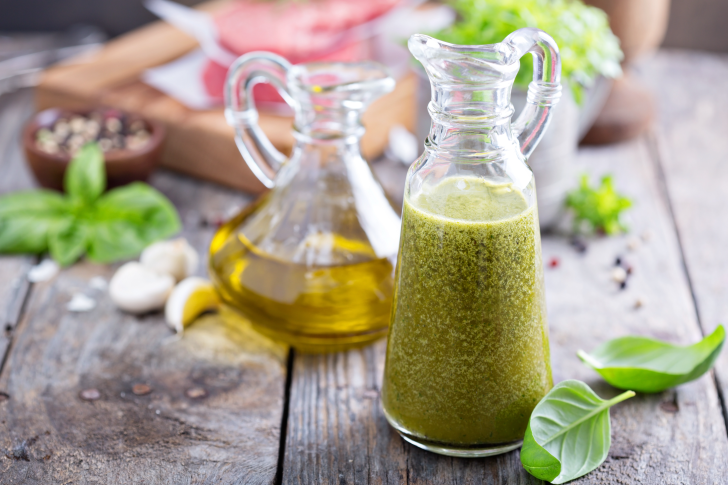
x=587 y=45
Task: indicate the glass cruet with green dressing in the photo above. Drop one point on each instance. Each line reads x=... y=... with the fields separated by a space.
x=468 y=352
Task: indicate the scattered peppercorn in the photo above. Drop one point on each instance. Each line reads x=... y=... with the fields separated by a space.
x=141 y=389
x=619 y=274
x=89 y=394
x=579 y=244
x=623 y=285
x=618 y=261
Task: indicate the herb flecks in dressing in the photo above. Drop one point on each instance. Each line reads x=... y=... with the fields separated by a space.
x=468 y=355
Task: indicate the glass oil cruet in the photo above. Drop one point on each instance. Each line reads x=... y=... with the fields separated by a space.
x=310 y=263
x=468 y=352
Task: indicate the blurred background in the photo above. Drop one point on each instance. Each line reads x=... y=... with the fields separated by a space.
x=694 y=24
x=82 y=55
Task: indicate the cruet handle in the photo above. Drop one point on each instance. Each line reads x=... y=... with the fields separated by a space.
x=247 y=71
x=545 y=89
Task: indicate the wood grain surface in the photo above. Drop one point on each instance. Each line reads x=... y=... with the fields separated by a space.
x=692 y=142
x=13 y=176
x=49 y=435
x=337 y=433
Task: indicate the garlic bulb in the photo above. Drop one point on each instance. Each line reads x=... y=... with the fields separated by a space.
x=136 y=288
x=175 y=257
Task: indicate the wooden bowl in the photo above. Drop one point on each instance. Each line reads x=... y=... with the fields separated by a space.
x=122 y=166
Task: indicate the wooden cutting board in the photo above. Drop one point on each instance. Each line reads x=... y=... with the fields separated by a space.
x=199 y=143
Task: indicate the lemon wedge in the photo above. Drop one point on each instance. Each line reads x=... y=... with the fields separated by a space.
x=189 y=299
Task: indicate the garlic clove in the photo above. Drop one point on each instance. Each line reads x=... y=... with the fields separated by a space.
x=189 y=299
x=175 y=257
x=135 y=288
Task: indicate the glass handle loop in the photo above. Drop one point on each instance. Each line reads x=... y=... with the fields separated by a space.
x=240 y=111
x=544 y=91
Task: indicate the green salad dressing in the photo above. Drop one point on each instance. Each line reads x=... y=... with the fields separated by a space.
x=468 y=353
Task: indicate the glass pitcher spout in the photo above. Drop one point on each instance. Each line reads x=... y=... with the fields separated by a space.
x=328 y=99
x=471 y=88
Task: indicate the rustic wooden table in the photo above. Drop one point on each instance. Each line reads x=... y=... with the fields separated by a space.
x=271 y=416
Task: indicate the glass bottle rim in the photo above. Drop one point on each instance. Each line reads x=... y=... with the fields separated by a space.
x=332 y=77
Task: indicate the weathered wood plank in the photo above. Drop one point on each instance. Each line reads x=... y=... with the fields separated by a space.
x=229 y=436
x=337 y=433
x=692 y=145
x=48 y=435
x=673 y=437
x=14 y=110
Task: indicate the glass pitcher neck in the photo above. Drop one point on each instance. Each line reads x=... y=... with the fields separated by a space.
x=330 y=97
x=470 y=103
x=471 y=145
x=471 y=122
x=316 y=124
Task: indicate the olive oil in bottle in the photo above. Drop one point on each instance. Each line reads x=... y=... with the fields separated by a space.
x=341 y=300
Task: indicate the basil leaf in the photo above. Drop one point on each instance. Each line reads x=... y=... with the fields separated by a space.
x=26 y=219
x=111 y=226
x=85 y=177
x=68 y=243
x=128 y=219
x=648 y=365
x=569 y=433
x=34 y=202
x=115 y=240
x=26 y=234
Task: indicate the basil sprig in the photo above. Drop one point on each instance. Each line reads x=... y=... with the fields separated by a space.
x=569 y=433
x=105 y=227
x=648 y=365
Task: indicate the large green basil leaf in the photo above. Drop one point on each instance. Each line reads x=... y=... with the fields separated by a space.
x=85 y=177
x=128 y=219
x=568 y=434
x=34 y=202
x=26 y=234
x=113 y=240
x=648 y=365
x=67 y=244
x=27 y=218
